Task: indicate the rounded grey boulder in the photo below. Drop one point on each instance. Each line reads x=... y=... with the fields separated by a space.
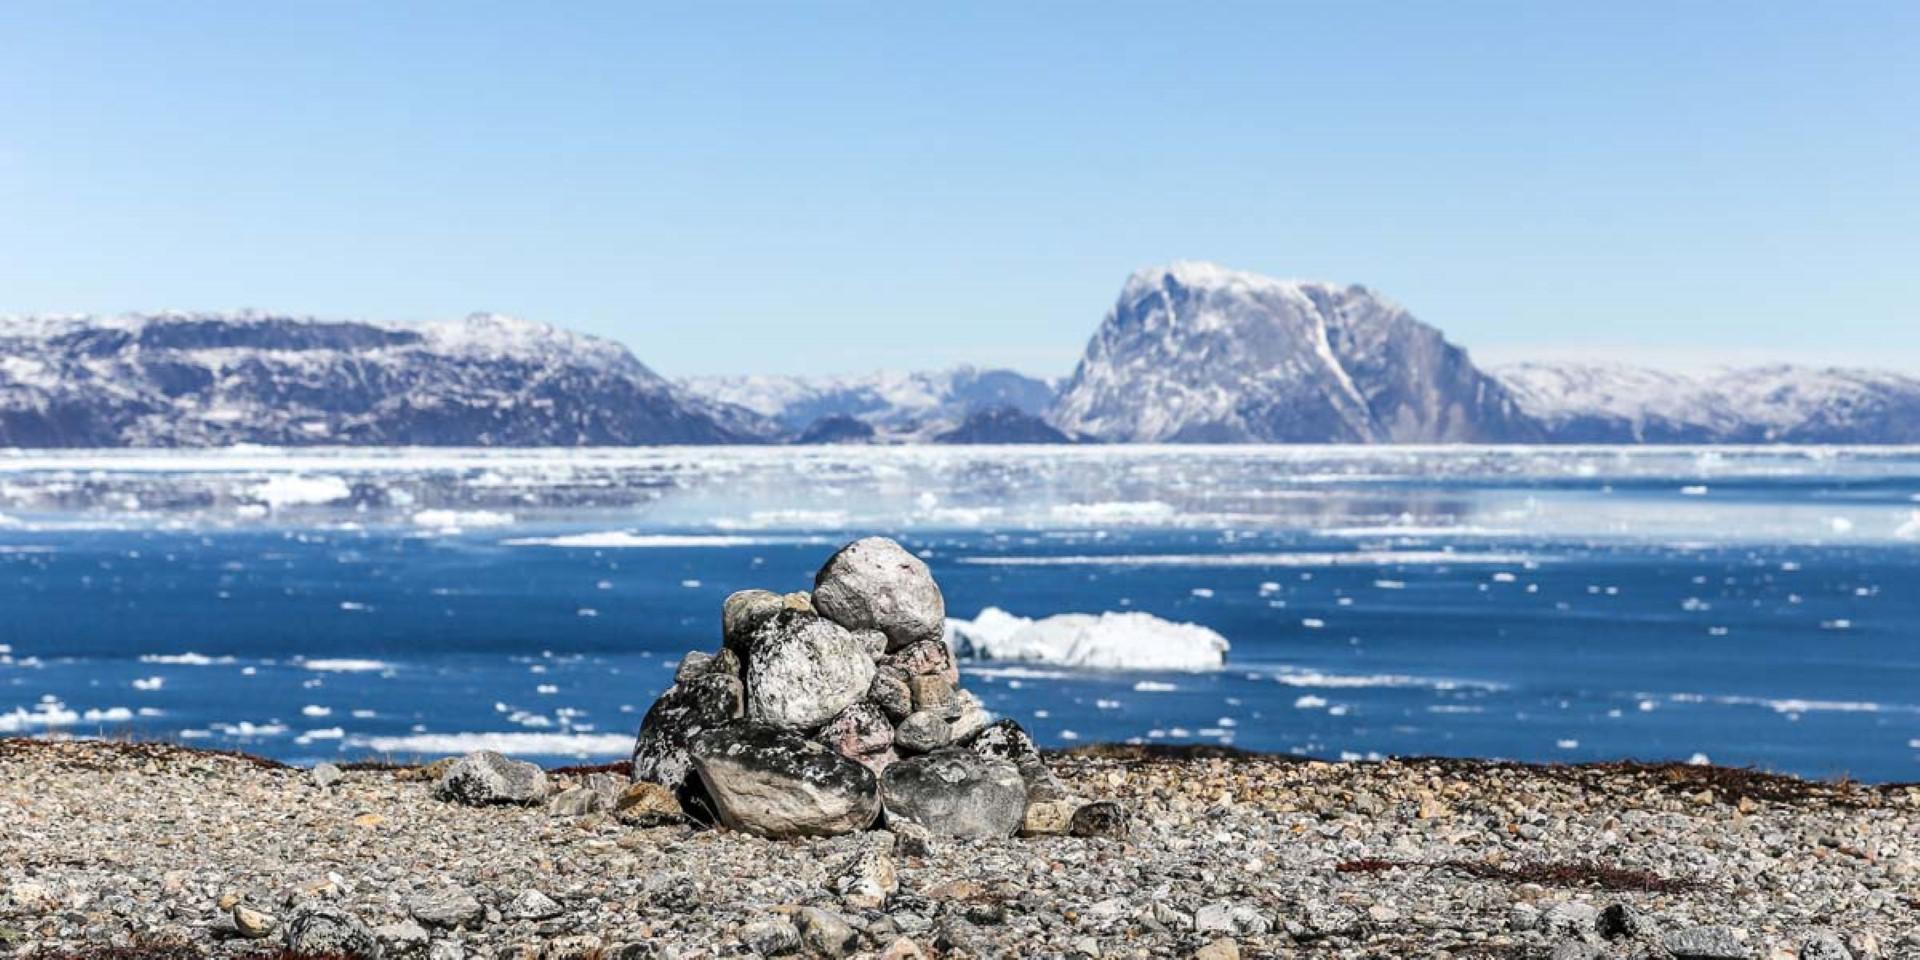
x=1007 y=740
x=875 y=584
x=890 y=693
x=923 y=732
x=485 y=778
x=320 y=929
x=803 y=670
x=774 y=782
x=857 y=731
x=743 y=613
x=956 y=793
x=1101 y=818
x=693 y=705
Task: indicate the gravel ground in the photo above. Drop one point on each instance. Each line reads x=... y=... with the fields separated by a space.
x=161 y=848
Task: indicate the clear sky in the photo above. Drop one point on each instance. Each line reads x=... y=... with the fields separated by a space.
x=837 y=186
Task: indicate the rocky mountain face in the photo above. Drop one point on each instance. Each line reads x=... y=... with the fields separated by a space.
x=177 y=380
x=1583 y=403
x=1190 y=353
x=898 y=406
x=1196 y=353
x=1002 y=425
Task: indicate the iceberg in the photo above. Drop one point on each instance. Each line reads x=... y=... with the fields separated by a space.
x=1105 y=641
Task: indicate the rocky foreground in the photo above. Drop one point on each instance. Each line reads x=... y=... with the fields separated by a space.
x=179 y=853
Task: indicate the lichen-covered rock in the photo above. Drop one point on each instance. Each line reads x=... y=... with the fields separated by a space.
x=1101 y=818
x=868 y=880
x=879 y=762
x=451 y=907
x=1823 y=945
x=743 y=613
x=872 y=642
x=774 y=782
x=857 y=731
x=320 y=929
x=485 y=778
x=698 y=662
x=687 y=709
x=931 y=693
x=890 y=693
x=927 y=658
x=826 y=933
x=646 y=804
x=1007 y=740
x=803 y=670
x=968 y=716
x=253 y=924
x=923 y=732
x=1706 y=943
x=1047 y=818
x=576 y=802
x=957 y=793
x=532 y=905
x=770 y=936
x=875 y=584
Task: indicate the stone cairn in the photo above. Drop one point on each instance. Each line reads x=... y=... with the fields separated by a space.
x=825 y=712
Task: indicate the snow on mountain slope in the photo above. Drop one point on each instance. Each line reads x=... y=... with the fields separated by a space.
x=205 y=379
x=1193 y=352
x=898 y=405
x=1579 y=403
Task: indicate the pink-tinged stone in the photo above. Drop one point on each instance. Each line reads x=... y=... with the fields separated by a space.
x=857 y=731
x=927 y=658
x=879 y=762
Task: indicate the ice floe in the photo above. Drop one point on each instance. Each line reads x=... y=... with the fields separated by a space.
x=628 y=540
x=188 y=659
x=537 y=744
x=1108 y=641
x=1909 y=530
x=451 y=520
x=344 y=665
x=289 y=490
x=1305 y=558
x=1294 y=677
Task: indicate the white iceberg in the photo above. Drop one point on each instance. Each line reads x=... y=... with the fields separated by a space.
x=293 y=490
x=1105 y=641
x=1909 y=530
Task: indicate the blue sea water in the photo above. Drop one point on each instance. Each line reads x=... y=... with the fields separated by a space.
x=1748 y=606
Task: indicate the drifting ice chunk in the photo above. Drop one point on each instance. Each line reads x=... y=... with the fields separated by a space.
x=1109 y=641
x=1909 y=530
x=295 y=490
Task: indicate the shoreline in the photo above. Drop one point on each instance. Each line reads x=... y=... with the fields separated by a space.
x=150 y=847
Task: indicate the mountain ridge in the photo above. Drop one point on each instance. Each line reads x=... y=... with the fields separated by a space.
x=1190 y=352
x=217 y=379
x=1198 y=353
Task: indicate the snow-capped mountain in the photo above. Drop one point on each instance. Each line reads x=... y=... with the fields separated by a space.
x=1193 y=352
x=1584 y=403
x=204 y=379
x=899 y=406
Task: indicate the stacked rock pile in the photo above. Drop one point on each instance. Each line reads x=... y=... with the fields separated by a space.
x=824 y=712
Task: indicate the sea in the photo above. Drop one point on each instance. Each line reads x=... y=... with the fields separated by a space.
x=1740 y=606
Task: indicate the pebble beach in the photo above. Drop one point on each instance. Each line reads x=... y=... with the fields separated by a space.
x=145 y=849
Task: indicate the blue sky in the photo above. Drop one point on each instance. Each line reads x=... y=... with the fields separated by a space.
x=838 y=186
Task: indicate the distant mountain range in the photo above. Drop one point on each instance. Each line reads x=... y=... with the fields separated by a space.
x=195 y=380
x=1190 y=353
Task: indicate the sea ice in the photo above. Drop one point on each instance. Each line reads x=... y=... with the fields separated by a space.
x=628 y=540
x=344 y=665
x=550 y=744
x=289 y=490
x=1909 y=530
x=1108 y=641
